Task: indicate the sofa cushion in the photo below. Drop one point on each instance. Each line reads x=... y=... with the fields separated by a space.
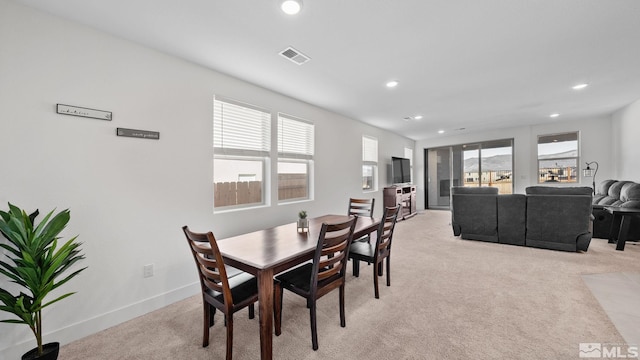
x=602 y=191
x=613 y=195
x=603 y=187
x=547 y=190
x=474 y=190
x=630 y=192
x=558 y=221
x=635 y=204
x=511 y=218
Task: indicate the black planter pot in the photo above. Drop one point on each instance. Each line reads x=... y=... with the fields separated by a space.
x=49 y=352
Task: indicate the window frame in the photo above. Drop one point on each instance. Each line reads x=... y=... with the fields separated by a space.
x=408 y=154
x=369 y=162
x=235 y=152
x=540 y=171
x=296 y=153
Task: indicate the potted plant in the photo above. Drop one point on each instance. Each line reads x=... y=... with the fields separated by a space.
x=303 y=222
x=37 y=263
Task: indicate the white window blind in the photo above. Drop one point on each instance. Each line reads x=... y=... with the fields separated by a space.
x=240 y=129
x=295 y=138
x=369 y=150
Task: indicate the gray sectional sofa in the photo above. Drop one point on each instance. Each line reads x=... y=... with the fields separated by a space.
x=556 y=218
x=615 y=193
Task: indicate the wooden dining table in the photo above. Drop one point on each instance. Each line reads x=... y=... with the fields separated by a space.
x=265 y=253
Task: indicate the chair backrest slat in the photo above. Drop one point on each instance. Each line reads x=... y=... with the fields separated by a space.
x=211 y=274
x=385 y=230
x=361 y=207
x=331 y=265
x=330 y=258
x=208 y=259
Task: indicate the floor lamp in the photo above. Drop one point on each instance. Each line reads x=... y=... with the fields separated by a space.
x=589 y=172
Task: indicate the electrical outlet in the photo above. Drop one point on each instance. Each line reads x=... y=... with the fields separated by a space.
x=148 y=270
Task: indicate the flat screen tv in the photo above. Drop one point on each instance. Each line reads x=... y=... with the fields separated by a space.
x=401 y=170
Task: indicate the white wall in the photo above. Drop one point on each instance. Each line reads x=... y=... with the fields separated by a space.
x=129 y=197
x=595 y=142
x=626 y=132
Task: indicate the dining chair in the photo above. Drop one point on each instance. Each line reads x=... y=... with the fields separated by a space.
x=221 y=291
x=361 y=207
x=317 y=278
x=375 y=253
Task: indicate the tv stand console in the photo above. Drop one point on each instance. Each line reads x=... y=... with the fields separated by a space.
x=403 y=196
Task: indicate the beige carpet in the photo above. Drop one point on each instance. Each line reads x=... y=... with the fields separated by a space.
x=449 y=299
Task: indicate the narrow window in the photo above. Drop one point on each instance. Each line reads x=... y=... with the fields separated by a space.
x=558 y=158
x=295 y=158
x=241 y=145
x=408 y=154
x=369 y=163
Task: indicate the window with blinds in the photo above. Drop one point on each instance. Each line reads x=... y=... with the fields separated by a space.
x=241 y=146
x=240 y=129
x=369 y=163
x=295 y=158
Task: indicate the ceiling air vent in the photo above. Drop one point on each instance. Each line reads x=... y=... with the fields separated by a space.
x=295 y=55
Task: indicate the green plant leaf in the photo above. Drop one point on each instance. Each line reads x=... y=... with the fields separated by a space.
x=36 y=261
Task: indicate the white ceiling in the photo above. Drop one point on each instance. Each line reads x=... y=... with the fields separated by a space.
x=472 y=64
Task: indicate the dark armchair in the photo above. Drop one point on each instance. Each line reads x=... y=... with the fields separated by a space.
x=615 y=193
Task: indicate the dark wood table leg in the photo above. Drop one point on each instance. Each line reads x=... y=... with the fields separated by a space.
x=623 y=233
x=265 y=304
x=615 y=228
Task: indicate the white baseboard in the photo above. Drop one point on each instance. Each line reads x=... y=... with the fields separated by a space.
x=101 y=322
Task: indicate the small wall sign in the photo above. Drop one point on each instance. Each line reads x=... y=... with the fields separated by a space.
x=84 y=112
x=142 y=134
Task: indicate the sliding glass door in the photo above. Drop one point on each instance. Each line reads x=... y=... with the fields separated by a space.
x=487 y=163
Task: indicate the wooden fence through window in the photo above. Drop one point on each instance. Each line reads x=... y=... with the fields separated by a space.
x=290 y=186
x=237 y=193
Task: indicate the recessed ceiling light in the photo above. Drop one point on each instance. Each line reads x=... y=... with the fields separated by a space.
x=580 y=86
x=555 y=115
x=418 y=117
x=440 y=131
x=291 y=7
x=392 y=84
